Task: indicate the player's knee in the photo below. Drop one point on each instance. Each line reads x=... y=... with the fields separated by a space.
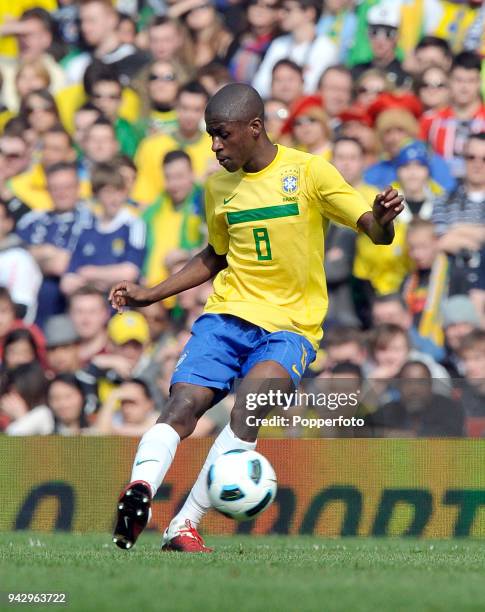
x=181 y=413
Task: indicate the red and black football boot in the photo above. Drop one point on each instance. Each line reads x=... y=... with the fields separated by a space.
x=185 y=539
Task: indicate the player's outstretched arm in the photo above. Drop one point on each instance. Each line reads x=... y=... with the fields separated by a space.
x=201 y=268
x=378 y=224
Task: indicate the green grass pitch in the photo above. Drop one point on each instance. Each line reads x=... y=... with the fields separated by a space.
x=246 y=573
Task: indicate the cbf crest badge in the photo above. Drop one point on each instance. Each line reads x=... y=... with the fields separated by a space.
x=290 y=182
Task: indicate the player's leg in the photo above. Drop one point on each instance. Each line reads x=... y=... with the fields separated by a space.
x=156 y=451
x=208 y=364
x=236 y=435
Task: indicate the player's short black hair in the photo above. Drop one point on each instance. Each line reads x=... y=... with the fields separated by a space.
x=172 y=156
x=193 y=87
x=355 y=141
x=41 y=15
x=467 y=60
x=235 y=102
x=435 y=41
x=289 y=64
x=60 y=167
x=58 y=128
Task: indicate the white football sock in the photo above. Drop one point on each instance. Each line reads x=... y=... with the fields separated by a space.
x=197 y=503
x=155 y=455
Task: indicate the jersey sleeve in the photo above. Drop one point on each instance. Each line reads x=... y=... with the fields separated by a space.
x=218 y=236
x=335 y=198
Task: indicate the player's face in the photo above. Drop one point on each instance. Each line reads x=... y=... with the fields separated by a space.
x=232 y=143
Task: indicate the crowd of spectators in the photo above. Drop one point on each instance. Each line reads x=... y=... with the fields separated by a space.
x=103 y=158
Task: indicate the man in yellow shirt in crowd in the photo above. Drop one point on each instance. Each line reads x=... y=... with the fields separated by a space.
x=191 y=101
x=175 y=219
x=266 y=219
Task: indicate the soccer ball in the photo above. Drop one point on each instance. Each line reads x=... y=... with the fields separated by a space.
x=241 y=484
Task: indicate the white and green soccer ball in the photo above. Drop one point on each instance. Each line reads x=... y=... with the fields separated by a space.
x=241 y=484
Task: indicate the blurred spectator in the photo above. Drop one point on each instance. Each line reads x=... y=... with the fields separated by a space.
x=31 y=76
x=159 y=94
x=430 y=52
x=99 y=27
x=128 y=411
x=19 y=272
x=335 y=87
x=175 y=220
x=84 y=117
x=447 y=129
x=384 y=266
x=425 y=289
x=168 y=41
x=383 y=27
x=125 y=356
x=287 y=81
x=432 y=87
x=35 y=37
x=389 y=349
x=247 y=50
x=52 y=236
x=472 y=352
x=460 y=318
x=459 y=218
x=357 y=123
x=303 y=45
x=112 y=249
x=308 y=126
x=100 y=145
x=370 y=85
x=14 y=159
x=419 y=412
x=19 y=347
x=392 y=309
x=65 y=398
x=213 y=76
x=344 y=344
x=210 y=38
x=23 y=402
x=339 y=23
x=40 y=110
x=413 y=173
x=395 y=125
x=7 y=315
x=126 y=29
x=190 y=106
x=275 y=115
x=106 y=96
x=89 y=312
x=55 y=146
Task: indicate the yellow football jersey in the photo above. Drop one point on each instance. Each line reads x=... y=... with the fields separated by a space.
x=271 y=225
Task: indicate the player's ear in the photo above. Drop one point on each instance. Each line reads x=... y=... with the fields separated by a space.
x=256 y=127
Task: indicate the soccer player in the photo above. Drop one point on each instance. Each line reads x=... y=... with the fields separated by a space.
x=266 y=213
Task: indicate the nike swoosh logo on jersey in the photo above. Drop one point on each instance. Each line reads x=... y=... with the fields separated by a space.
x=146 y=461
x=227 y=200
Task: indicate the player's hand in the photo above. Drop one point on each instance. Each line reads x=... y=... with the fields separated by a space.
x=387 y=206
x=127 y=294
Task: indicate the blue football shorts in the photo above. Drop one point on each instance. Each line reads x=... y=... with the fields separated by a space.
x=223 y=348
